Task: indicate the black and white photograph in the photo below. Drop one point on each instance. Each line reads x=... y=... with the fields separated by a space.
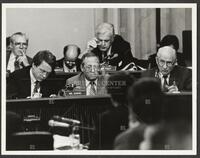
x=99 y=79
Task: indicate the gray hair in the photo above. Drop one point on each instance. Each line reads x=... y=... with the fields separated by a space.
x=105 y=28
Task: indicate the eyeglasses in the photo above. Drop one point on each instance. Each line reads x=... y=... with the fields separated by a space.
x=162 y=63
x=20 y=44
x=91 y=67
x=43 y=72
x=99 y=42
x=70 y=62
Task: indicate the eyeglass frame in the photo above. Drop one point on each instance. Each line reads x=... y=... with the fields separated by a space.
x=89 y=67
x=43 y=72
x=19 y=44
x=168 y=63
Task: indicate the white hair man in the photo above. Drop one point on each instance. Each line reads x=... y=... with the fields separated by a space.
x=173 y=78
x=16 y=58
x=110 y=47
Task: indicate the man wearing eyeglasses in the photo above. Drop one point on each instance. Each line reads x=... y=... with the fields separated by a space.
x=89 y=81
x=16 y=58
x=173 y=78
x=70 y=62
x=111 y=48
x=31 y=81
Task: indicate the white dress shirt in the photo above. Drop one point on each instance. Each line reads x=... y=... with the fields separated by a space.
x=11 y=61
x=33 y=80
x=160 y=75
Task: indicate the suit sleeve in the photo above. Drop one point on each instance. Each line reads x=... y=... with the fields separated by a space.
x=188 y=81
x=11 y=87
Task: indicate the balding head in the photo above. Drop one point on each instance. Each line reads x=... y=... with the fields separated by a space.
x=167 y=52
x=166 y=59
x=105 y=28
x=71 y=52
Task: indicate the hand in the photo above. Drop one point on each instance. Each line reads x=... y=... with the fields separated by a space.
x=53 y=96
x=92 y=43
x=37 y=95
x=172 y=89
x=23 y=60
x=90 y=46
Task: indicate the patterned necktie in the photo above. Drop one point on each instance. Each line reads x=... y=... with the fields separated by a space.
x=36 y=87
x=165 y=84
x=16 y=64
x=92 y=88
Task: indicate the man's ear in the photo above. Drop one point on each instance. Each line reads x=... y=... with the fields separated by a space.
x=11 y=45
x=175 y=62
x=156 y=60
x=33 y=65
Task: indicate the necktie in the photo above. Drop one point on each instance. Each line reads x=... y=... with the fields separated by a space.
x=16 y=64
x=92 y=88
x=36 y=87
x=165 y=84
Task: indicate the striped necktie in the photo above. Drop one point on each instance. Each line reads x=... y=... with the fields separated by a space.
x=92 y=88
x=16 y=64
x=165 y=84
x=36 y=87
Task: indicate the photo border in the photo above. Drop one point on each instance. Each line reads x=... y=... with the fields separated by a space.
x=102 y=152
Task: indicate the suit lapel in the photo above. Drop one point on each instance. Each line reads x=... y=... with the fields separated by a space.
x=174 y=77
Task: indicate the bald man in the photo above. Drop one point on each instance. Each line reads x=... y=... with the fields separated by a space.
x=173 y=78
x=70 y=62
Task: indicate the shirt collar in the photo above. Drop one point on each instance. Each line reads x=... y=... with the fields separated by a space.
x=161 y=75
x=87 y=82
x=109 y=51
x=33 y=79
x=12 y=56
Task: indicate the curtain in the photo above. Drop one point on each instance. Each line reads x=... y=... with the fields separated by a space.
x=137 y=26
x=175 y=21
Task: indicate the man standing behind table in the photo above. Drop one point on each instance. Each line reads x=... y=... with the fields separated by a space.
x=16 y=58
x=70 y=62
x=173 y=78
x=30 y=81
x=88 y=81
x=109 y=47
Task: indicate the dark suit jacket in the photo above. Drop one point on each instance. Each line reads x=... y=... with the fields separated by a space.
x=79 y=81
x=181 y=75
x=180 y=60
x=59 y=63
x=19 y=85
x=111 y=123
x=121 y=49
x=8 y=56
x=130 y=139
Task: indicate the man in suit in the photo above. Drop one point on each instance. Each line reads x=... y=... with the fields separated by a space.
x=31 y=81
x=168 y=40
x=70 y=62
x=16 y=57
x=111 y=48
x=145 y=100
x=89 y=82
x=173 y=78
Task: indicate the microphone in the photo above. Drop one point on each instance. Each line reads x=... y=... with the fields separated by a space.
x=66 y=120
x=70 y=87
x=53 y=123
